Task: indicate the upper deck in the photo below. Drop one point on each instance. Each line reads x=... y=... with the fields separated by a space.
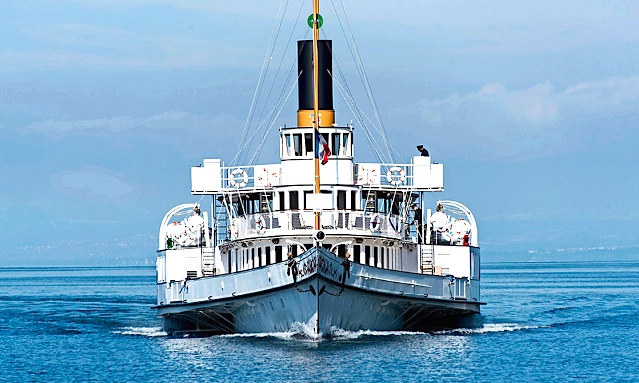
x=297 y=153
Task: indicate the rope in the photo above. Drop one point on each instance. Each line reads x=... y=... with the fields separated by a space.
x=261 y=144
x=265 y=66
x=358 y=114
x=286 y=46
x=364 y=77
x=283 y=97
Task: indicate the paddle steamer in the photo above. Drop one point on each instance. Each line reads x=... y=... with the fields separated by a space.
x=317 y=240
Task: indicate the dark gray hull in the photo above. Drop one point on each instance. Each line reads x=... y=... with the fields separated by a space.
x=318 y=293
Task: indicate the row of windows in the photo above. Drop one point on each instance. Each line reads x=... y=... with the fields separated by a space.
x=294 y=199
x=382 y=202
x=378 y=256
x=303 y=144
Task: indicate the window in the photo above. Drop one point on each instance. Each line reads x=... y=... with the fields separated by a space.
x=381 y=204
x=287 y=142
x=281 y=201
x=297 y=144
x=395 y=206
x=308 y=141
x=278 y=254
x=268 y=255
x=341 y=199
x=345 y=147
x=294 y=200
x=370 y=201
x=335 y=144
x=354 y=200
x=266 y=202
x=357 y=254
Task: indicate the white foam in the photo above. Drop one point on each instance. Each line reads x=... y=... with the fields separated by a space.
x=142 y=331
x=489 y=328
x=338 y=333
x=297 y=331
x=305 y=332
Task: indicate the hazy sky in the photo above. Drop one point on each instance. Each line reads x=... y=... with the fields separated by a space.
x=533 y=107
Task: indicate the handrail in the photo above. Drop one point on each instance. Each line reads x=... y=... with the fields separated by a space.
x=171 y=213
x=383 y=224
x=394 y=175
x=459 y=208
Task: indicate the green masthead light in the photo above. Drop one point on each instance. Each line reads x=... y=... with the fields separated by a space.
x=320 y=21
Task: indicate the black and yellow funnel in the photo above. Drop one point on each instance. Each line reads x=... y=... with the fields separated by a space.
x=305 y=83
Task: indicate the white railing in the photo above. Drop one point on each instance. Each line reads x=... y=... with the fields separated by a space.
x=386 y=225
x=258 y=176
x=421 y=174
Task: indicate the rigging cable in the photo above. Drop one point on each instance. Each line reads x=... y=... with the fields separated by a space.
x=261 y=144
x=283 y=97
x=364 y=78
x=258 y=88
x=286 y=46
x=355 y=109
x=358 y=114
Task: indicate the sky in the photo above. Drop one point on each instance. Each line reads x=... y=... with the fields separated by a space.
x=533 y=107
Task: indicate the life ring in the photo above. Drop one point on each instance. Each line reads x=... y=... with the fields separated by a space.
x=396 y=176
x=238 y=183
x=260 y=225
x=376 y=223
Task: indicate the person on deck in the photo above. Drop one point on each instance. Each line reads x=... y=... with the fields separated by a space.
x=423 y=150
x=438 y=222
x=417 y=220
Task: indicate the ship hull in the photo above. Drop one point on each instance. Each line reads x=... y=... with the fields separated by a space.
x=317 y=294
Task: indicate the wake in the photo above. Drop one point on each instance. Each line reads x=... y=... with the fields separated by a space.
x=305 y=332
x=150 y=332
x=488 y=328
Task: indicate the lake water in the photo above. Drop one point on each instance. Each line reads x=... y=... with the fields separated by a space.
x=573 y=321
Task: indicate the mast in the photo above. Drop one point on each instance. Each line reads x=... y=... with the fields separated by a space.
x=315 y=87
x=316 y=124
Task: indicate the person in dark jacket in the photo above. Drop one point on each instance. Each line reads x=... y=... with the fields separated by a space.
x=417 y=221
x=423 y=150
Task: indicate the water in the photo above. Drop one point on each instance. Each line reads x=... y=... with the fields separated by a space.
x=573 y=321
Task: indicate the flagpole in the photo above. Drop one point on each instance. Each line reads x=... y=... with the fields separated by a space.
x=316 y=120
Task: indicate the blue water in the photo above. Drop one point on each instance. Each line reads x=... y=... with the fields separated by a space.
x=574 y=321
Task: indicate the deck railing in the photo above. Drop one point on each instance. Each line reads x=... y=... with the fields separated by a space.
x=274 y=223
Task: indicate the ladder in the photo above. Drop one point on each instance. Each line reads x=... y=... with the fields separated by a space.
x=221 y=227
x=427 y=259
x=208 y=261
